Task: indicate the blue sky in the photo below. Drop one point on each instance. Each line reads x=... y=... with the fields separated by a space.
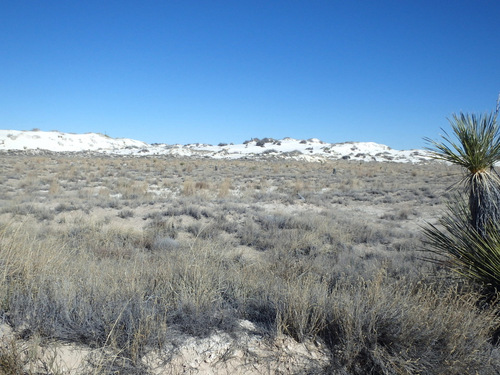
x=176 y=71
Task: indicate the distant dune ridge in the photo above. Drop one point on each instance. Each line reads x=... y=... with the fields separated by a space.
x=288 y=148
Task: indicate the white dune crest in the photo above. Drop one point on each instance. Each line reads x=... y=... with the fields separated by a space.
x=312 y=149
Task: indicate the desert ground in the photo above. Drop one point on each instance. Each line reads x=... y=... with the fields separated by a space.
x=162 y=265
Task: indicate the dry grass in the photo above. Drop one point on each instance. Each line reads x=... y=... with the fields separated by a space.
x=120 y=254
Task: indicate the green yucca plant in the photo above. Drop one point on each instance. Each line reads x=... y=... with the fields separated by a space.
x=469 y=233
x=476 y=148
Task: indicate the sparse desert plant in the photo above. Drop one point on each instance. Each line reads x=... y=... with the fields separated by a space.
x=124 y=214
x=54 y=187
x=224 y=188
x=188 y=187
x=199 y=185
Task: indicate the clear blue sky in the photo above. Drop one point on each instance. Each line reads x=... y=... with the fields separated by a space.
x=186 y=71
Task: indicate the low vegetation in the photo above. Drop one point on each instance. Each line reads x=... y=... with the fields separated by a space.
x=128 y=256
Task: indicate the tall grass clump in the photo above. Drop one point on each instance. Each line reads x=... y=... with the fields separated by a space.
x=468 y=234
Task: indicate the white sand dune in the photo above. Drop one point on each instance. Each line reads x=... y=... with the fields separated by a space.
x=57 y=141
x=308 y=150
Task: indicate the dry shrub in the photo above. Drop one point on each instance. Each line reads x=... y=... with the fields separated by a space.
x=224 y=188
x=200 y=185
x=298 y=187
x=54 y=187
x=77 y=294
x=403 y=328
x=29 y=182
x=188 y=188
x=131 y=189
